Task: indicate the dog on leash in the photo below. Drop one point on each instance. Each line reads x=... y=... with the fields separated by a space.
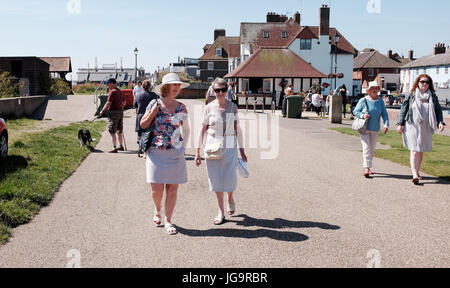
x=84 y=136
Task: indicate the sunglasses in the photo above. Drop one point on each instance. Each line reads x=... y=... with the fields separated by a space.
x=223 y=90
x=424 y=82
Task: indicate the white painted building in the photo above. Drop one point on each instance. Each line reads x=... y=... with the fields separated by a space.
x=436 y=66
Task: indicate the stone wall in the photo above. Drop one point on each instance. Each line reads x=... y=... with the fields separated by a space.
x=21 y=106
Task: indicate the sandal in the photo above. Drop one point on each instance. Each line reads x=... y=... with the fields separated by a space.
x=218 y=220
x=370 y=172
x=157 y=220
x=231 y=208
x=416 y=181
x=366 y=173
x=170 y=229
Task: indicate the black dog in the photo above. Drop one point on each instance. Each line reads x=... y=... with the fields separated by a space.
x=84 y=136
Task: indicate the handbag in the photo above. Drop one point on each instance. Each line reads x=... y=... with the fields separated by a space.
x=147 y=136
x=213 y=149
x=359 y=124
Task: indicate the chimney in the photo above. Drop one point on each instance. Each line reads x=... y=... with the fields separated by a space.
x=297 y=18
x=411 y=55
x=272 y=17
x=439 y=49
x=324 y=29
x=390 y=54
x=218 y=33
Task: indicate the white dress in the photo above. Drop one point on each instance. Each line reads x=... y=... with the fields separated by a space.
x=222 y=173
x=419 y=137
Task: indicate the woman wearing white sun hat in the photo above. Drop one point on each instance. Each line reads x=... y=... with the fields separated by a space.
x=166 y=164
x=375 y=111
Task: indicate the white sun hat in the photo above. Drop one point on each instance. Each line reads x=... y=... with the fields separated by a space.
x=171 y=78
x=373 y=84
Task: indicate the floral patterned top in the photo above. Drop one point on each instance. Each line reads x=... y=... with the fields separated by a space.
x=167 y=132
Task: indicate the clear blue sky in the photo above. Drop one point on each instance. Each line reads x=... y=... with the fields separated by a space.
x=164 y=30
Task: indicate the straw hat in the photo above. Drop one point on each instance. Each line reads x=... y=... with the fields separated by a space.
x=171 y=78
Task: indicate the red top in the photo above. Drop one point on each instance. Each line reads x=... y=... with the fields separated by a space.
x=116 y=98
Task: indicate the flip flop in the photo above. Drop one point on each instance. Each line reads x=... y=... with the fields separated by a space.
x=157 y=220
x=231 y=208
x=170 y=229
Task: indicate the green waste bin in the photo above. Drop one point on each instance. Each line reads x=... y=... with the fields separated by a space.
x=102 y=99
x=294 y=106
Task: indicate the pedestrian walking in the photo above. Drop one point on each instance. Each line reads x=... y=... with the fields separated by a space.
x=327 y=104
x=210 y=96
x=141 y=101
x=165 y=162
x=221 y=122
x=343 y=94
x=420 y=116
x=138 y=88
x=114 y=105
x=316 y=102
x=372 y=108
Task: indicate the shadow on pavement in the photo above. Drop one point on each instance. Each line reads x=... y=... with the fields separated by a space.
x=248 y=221
x=434 y=180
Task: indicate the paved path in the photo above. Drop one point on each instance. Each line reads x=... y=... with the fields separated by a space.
x=307 y=208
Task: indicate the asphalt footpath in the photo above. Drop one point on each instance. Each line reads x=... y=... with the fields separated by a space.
x=305 y=204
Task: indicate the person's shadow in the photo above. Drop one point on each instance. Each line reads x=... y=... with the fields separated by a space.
x=248 y=221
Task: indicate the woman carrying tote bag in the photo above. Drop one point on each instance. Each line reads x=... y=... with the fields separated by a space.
x=376 y=111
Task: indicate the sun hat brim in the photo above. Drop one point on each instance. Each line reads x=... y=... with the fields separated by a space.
x=183 y=85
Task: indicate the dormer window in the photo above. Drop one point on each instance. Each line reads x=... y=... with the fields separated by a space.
x=305 y=44
x=266 y=34
x=218 y=51
x=283 y=34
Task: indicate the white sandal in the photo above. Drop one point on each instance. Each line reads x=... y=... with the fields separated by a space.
x=157 y=220
x=218 y=220
x=170 y=229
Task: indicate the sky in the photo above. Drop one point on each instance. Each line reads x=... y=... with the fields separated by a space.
x=165 y=30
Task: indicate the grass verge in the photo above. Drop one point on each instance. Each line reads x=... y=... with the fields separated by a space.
x=37 y=165
x=436 y=162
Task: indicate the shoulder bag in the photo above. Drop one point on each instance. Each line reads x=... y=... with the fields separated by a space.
x=147 y=136
x=359 y=124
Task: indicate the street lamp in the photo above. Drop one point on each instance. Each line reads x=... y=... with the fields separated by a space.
x=135 y=65
x=336 y=41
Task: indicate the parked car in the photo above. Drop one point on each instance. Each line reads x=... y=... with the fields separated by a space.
x=3 y=139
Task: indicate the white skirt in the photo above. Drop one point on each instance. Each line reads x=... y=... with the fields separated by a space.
x=222 y=175
x=166 y=166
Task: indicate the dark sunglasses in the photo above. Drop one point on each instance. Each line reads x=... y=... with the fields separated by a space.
x=424 y=82
x=223 y=90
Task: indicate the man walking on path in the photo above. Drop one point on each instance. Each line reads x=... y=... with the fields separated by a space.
x=115 y=104
x=138 y=89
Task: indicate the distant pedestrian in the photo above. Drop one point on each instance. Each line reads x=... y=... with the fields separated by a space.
x=166 y=164
x=221 y=123
x=210 y=96
x=343 y=93
x=376 y=110
x=288 y=92
x=420 y=116
x=115 y=104
x=141 y=102
x=327 y=104
x=137 y=89
x=316 y=102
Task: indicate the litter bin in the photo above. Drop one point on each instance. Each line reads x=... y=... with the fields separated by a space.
x=129 y=98
x=102 y=99
x=294 y=106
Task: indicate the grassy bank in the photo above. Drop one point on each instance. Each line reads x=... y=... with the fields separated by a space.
x=37 y=165
x=436 y=162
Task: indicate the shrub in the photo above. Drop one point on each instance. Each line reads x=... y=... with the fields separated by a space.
x=59 y=87
x=9 y=85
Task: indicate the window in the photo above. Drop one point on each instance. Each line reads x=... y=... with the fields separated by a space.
x=218 y=51
x=305 y=44
x=267 y=85
x=246 y=57
x=371 y=72
x=283 y=34
x=210 y=65
x=210 y=79
x=266 y=34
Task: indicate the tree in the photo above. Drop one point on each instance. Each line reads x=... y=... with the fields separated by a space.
x=9 y=85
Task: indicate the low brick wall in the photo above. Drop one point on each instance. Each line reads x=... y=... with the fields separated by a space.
x=190 y=93
x=21 y=106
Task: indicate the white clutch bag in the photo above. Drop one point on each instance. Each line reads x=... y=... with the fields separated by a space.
x=242 y=168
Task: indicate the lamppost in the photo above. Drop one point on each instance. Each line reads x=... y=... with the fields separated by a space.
x=135 y=64
x=336 y=41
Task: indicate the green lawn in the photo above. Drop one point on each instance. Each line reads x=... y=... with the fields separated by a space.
x=436 y=162
x=36 y=166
